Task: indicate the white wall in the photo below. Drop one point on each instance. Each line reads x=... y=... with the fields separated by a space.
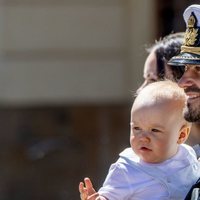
x=79 y=51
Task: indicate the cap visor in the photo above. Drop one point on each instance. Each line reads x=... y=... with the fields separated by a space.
x=184 y=59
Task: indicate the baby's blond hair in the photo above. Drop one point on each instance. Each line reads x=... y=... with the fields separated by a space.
x=163 y=90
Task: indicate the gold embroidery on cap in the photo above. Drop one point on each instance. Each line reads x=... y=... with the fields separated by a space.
x=191 y=32
x=186 y=49
x=185 y=57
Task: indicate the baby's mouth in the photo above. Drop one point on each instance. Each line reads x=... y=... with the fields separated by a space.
x=145 y=149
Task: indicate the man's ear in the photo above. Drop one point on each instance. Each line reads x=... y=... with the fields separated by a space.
x=183 y=134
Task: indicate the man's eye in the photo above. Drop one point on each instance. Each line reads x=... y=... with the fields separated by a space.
x=197 y=68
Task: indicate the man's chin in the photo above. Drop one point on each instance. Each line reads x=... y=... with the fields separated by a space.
x=192 y=112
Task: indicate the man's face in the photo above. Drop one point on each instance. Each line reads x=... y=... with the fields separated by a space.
x=190 y=81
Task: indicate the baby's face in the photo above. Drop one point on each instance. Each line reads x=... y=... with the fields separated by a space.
x=155 y=130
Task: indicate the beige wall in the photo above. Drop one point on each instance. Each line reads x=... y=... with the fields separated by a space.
x=79 y=51
x=143 y=33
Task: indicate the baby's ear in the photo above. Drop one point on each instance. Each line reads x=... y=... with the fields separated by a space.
x=183 y=134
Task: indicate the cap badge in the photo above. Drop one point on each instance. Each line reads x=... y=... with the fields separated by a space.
x=191 y=33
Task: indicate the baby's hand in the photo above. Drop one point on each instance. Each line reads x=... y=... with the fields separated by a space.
x=83 y=191
x=87 y=192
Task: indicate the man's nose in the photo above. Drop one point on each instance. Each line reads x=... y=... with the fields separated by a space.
x=186 y=80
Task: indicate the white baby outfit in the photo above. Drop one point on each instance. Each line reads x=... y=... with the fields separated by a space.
x=132 y=179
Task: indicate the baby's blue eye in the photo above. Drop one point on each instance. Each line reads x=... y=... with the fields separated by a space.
x=136 y=128
x=155 y=130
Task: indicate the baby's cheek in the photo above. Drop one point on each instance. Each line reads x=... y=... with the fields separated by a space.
x=133 y=141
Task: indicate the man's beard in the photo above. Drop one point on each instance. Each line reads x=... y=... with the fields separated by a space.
x=192 y=114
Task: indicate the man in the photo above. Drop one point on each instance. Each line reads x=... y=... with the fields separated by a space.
x=190 y=57
x=190 y=80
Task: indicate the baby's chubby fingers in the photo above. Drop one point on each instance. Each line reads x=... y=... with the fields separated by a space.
x=81 y=187
x=86 y=190
x=83 y=191
x=88 y=184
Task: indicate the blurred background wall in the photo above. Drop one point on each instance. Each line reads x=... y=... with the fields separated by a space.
x=68 y=69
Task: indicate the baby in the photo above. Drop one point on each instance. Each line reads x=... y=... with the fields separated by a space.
x=158 y=165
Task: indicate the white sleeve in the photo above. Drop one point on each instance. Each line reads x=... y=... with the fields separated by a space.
x=116 y=184
x=197 y=150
